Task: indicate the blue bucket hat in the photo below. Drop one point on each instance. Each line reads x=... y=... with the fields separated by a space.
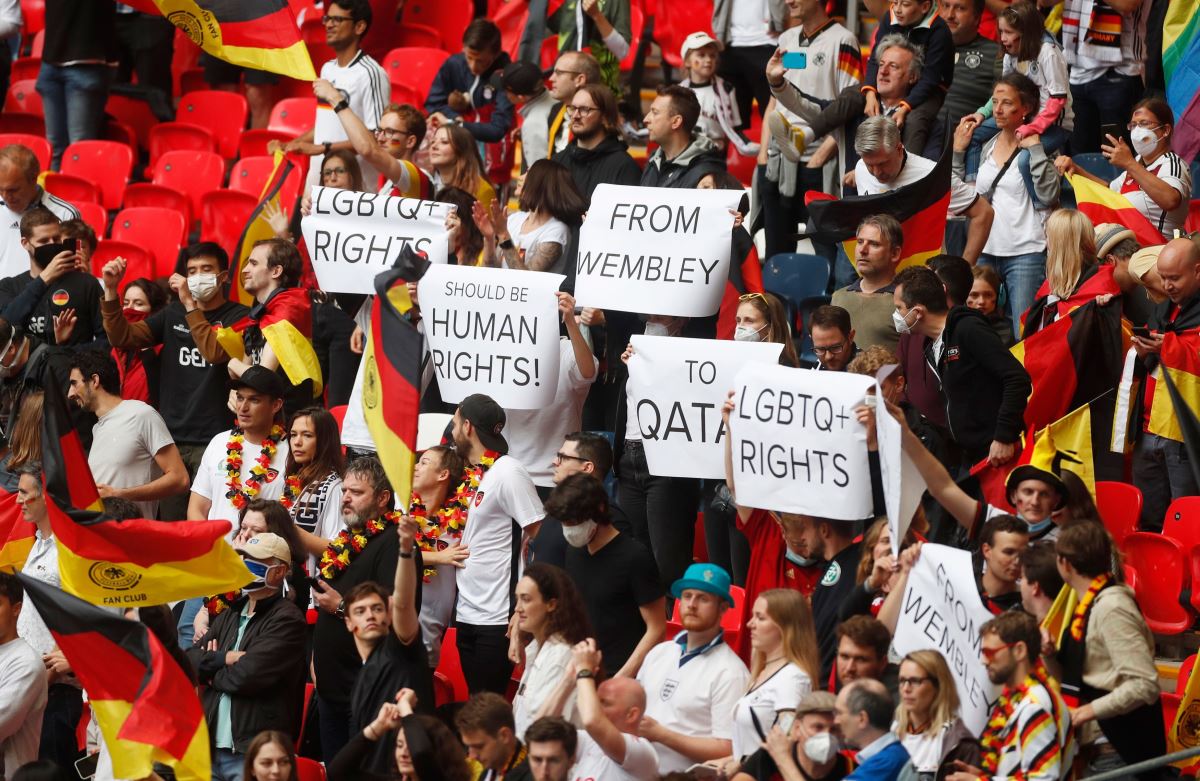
x=704 y=577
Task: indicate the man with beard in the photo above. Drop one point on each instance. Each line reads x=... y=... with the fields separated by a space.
x=596 y=154
x=833 y=543
x=366 y=499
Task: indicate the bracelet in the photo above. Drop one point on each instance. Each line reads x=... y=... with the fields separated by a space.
x=579 y=676
x=328 y=145
x=342 y=106
x=506 y=244
x=404 y=555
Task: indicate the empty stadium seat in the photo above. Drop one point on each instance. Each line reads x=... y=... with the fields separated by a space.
x=25 y=68
x=224 y=114
x=22 y=122
x=449 y=17
x=159 y=196
x=253 y=143
x=94 y=215
x=295 y=116
x=1182 y=522
x=133 y=112
x=223 y=217
x=33 y=16
x=36 y=144
x=170 y=136
x=140 y=263
x=1120 y=506
x=193 y=173
x=23 y=96
x=106 y=163
x=450 y=667
x=160 y=231
x=414 y=67
x=413 y=34
x=1161 y=577
x=122 y=133
x=71 y=188
x=309 y=769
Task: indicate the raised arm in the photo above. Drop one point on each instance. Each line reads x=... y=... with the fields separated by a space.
x=405 y=621
x=587 y=702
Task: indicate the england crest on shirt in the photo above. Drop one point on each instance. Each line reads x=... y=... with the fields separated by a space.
x=668 y=689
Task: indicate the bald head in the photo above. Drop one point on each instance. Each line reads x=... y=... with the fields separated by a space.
x=623 y=701
x=1179 y=268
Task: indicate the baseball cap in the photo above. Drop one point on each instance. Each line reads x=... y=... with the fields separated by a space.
x=265 y=546
x=488 y=418
x=1109 y=235
x=704 y=577
x=697 y=40
x=519 y=78
x=1031 y=472
x=817 y=702
x=260 y=379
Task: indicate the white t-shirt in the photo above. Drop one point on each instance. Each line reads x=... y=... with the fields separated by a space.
x=1049 y=73
x=210 y=477
x=925 y=750
x=750 y=24
x=782 y=691
x=124 y=444
x=1020 y=228
x=914 y=169
x=13 y=257
x=592 y=764
x=545 y=667
x=696 y=699
x=23 y=692
x=710 y=113
x=552 y=231
x=504 y=505
x=534 y=435
x=1172 y=170
x=318 y=510
x=364 y=83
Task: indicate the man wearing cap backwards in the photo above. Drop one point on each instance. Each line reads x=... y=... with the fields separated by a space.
x=251 y=660
x=808 y=751
x=693 y=682
x=522 y=82
x=503 y=516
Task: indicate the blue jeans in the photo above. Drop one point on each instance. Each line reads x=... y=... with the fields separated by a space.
x=187 y=619
x=1162 y=471
x=1108 y=100
x=73 y=98
x=1053 y=140
x=227 y=765
x=1022 y=275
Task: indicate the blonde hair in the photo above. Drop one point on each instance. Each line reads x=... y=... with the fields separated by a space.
x=872 y=359
x=945 y=701
x=792 y=614
x=1070 y=250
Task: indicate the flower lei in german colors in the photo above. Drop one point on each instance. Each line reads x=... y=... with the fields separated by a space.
x=291 y=491
x=341 y=552
x=451 y=518
x=220 y=602
x=237 y=495
x=989 y=741
x=1079 y=618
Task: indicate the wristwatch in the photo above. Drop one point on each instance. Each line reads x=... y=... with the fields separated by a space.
x=328 y=145
x=344 y=104
x=506 y=244
x=584 y=674
x=404 y=555
x=340 y=612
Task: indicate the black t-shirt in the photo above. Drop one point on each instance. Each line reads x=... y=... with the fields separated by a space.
x=761 y=767
x=392 y=666
x=74 y=290
x=550 y=547
x=834 y=588
x=615 y=582
x=195 y=392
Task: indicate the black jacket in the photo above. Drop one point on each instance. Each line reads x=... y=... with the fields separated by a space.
x=266 y=686
x=985 y=386
x=608 y=163
x=701 y=158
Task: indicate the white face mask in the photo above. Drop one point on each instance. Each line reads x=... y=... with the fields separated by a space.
x=657 y=329
x=580 y=534
x=202 y=286
x=821 y=748
x=901 y=323
x=1144 y=141
x=744 y=333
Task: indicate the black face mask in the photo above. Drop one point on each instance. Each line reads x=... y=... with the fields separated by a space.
x=47 y=252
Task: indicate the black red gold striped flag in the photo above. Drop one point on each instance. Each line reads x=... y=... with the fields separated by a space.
x=16 y=533
x=144 y=704
x=259 y=34
x=257 y=226
x=286 y=324
x=392 y=375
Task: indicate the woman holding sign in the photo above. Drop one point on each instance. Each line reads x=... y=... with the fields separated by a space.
x=927 y=719
x=536 y=237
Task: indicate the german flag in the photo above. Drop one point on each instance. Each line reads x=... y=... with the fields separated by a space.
x=286 y=323
x=259 y=34
x=392 y=377
x=850 y=61
x=257 y=227
x=144 y=704
x=16 y=534
x=920 y=207
x=1104 y=205
x=1185 y=411
x=1066 y=445
x=744 y=277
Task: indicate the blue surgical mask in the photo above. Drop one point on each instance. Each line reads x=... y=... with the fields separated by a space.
x=797 y=559
x=1037 y=528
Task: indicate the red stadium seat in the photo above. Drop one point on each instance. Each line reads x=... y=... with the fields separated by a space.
x=448 y=17
x=169 y=136
x=253 y=143
x=115 y=130
x=160 y=231
x=39 y=44
x=223 y=113
x=140 y=261
x=414 y=67
x=403 y=94
x=309 y=769
x=250 y=175
x=1120 y=506
x=1192 y=223
x=339 y=414
x=675 y=20
x=71 y=188
x=23 y=96
x=312 y=30
x=107 y=163
x=1182 y=522
x=413 y=34
x=192 y=80
x=33 y=16
x=94 y=215
x=22 y=122
x=25 y=68
x=36 y=144
x=223 y=217
x=133 y=112
x=309 y=689
x=450 y=666
x=293 y=115
x=141 y=194
x=1162 y=576
x=194 y=173
x=739 y=165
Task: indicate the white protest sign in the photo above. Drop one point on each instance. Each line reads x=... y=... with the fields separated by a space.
x=902 y=482
x=942 y=611
x=492 y=331
x=680 y=385
x=353 y=236
x=657 y=250
x=797 y=446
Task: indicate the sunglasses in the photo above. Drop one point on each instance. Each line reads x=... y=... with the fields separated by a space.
x=989 y=654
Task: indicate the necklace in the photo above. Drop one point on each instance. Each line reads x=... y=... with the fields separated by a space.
x=451 y=518
x=291 y=491
x=237 y=495
x=346 y=546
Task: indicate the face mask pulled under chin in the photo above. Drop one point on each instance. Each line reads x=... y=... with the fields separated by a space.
x=799 y=560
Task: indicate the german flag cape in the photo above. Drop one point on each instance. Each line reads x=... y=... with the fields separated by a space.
x=920 y=207
x=257 y=227
x=285 y=320
x=1185 y=414
x=1104 y=205
x=144 y=704
x=259 y=34
x=392 y=375
x=16 y=534
x=1176 y=389
x=1096 y=281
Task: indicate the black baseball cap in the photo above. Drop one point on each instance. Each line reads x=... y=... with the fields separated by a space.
x=262 y=380
x=519 y=78
x=1031 y=472
x=488 y=418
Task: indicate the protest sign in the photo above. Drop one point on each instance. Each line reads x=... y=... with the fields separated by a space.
x=680 y=385
x=492 y=331
x=902 y=482
x=941 y=611
x=797 y=446
x=353 y=236
x=660 y=251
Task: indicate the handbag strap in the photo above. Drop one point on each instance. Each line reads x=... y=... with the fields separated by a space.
x=991 y=193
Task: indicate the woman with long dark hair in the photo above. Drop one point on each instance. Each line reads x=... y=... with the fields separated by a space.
x=138 y=368
x=536 y=237
x=312 y=492
x=425 y=748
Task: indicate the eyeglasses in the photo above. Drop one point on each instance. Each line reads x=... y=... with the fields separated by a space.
x=581 y=111
x=386 y=133
x=561 y=72
x=329 y=173
x=1144 y=124
x=329 y=19
x=914 y=682
x=561 y=456
x=990 y=653
x=832 y=349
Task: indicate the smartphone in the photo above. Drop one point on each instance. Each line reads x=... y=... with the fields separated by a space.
x=785 y=718
x=1141 y=331
x=1111 y=129
x=86 y=766
x=71 y=245
x=795 y=61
